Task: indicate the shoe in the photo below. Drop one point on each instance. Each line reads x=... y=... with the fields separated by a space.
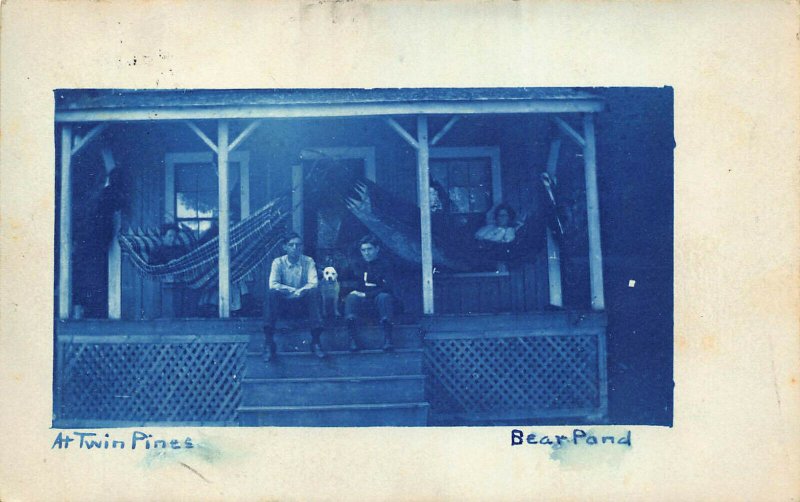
x=270 y=351
x=316 y=349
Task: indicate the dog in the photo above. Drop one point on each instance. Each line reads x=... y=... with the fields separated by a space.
x=329 y=289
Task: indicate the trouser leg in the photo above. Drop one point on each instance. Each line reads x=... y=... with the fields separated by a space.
x=385 y=305
x=271 y=308
x=352 y=305
x=272 y=304
x=314 y=306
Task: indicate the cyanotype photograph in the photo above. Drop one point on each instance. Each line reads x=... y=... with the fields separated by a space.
x=363 y=257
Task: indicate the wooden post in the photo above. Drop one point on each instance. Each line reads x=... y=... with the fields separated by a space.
x=425 y=213
x=224 y=221
x=244 y=186
x=593 y=214
x=553 y=251
x=114 y=254
x=297 y=199
x=65 y=244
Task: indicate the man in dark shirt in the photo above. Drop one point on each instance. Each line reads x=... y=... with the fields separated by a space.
x=374 y=282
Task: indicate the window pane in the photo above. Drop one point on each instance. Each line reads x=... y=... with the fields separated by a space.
x=186 y=176
x=206 y=204
x=204 y=226
x=479 y=200
x=185 y=205
x=206 y=177
x=190 y=224
x=479 y=173
x=459 y=174
x=459 y=200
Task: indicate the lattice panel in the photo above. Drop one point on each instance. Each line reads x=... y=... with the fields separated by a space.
x=152 y=382
x=494 y=375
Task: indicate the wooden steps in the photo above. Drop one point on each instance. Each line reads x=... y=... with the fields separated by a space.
x=344 y=389
x=335 y=338
x=335 y=364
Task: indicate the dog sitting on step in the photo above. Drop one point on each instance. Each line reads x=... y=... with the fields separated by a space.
x=329 y=289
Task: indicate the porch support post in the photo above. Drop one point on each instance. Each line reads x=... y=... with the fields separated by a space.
x=423 y=170
x=297 y=200
x=114 y=254
x=553 y=251
x=224 y=221
x=65 y=233
x=593 y=214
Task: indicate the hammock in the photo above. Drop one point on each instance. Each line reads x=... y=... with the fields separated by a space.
x=251 y=241
x=394 y=221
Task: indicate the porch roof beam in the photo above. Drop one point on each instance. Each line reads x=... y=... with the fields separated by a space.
x=449 y=125
x=402 y=132
x=244 y=134
x=331 y=110
x=202 y=136
x=569 y=131
x=82 y=142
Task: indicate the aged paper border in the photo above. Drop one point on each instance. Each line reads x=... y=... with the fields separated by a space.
x=734 y=67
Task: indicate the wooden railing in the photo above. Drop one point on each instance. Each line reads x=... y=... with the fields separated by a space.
x=496 y=368
x=116 y=373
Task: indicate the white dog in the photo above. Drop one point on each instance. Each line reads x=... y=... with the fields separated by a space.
x=329 y=289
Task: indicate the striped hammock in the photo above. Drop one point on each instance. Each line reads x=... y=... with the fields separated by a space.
x=251 y=241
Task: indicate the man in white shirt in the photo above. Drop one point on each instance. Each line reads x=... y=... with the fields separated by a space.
x=292 y=291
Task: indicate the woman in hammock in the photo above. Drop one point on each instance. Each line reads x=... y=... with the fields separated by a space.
x=396 y=223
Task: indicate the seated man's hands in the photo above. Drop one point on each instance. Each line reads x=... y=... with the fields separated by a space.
x=359 y=294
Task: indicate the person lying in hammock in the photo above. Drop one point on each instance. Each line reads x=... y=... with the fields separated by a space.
x=171 y=247
x=396 y=223
x=501 y=225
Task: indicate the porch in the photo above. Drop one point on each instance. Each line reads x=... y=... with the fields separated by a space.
x=447 y=370
x=525 y=343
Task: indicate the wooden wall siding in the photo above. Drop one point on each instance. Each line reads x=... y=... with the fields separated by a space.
x=141 y=148
x=523 y=289
x=475 y=293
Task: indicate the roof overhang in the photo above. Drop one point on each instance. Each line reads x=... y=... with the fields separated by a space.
x=149 y=105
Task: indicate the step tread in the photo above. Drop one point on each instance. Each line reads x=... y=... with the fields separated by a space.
x=308 y=353
x=289 y=326
x=355 y=378
x=335 y=407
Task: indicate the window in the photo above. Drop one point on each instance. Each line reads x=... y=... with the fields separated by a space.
x=469 y=177
x=191 y=189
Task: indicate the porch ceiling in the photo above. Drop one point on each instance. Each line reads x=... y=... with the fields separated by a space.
x=93 y=105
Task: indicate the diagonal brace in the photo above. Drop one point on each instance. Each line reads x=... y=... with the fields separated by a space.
x=244 y=134
x=82 y=142
x=202 y=135
x=402 y=132
x=569 y=131
x=449 y=125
